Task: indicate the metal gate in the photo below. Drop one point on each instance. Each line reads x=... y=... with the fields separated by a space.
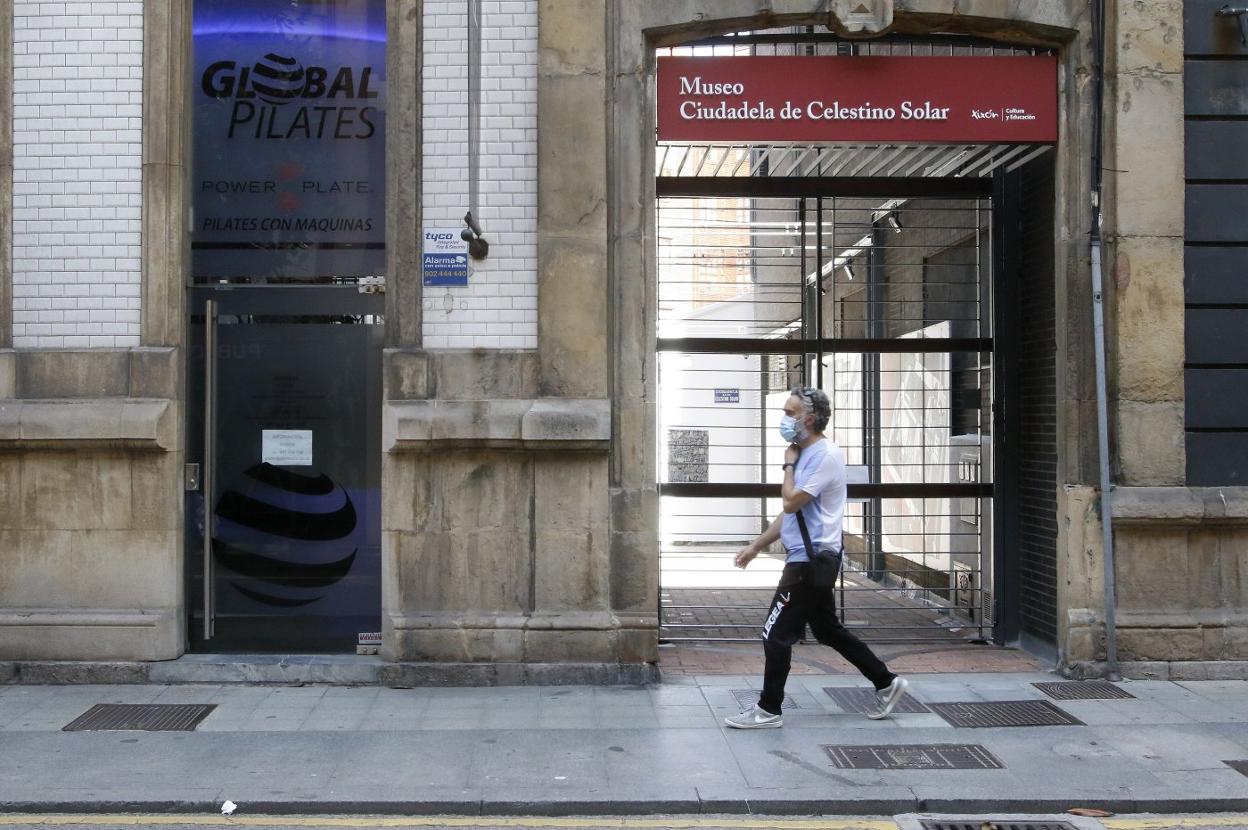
x=879 y=296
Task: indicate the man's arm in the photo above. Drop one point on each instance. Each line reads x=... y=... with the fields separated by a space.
x=746 y=555
x=794 y=498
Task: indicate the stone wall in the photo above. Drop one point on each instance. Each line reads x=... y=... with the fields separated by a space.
x=90 y=510
x=521 y=512
x=1182 y=596
x=91 y=443
x=495 y=523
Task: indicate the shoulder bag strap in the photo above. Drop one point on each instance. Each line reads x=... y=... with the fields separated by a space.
x=801 y=525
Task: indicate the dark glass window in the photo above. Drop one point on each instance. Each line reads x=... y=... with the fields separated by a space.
x=288 y=174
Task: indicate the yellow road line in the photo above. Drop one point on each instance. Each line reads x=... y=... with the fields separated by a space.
x=1159 y=822
x=447 y=821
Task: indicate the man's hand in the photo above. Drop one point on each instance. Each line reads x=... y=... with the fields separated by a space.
x=791 y=454
x=745 y=556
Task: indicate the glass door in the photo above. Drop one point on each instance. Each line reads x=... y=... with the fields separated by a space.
x=285 y=547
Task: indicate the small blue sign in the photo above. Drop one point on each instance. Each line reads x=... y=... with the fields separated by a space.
x=446 y=269
x=444 y=257
x=727 y=396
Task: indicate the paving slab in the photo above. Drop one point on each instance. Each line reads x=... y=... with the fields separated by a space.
x=570 y=750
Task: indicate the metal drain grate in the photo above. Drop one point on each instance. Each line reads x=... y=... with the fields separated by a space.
x=913 y=756
x=1239 y=766
x=993 y=824
x=142 y=717
x=861 y=701
x=1005 y=713
x=1083 y=690
x=748 y=697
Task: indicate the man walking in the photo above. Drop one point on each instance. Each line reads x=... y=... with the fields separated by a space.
x=814 y=507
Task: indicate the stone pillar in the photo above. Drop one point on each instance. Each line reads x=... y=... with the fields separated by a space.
x=404 y=48
x=572 y=198
x=1144 y=228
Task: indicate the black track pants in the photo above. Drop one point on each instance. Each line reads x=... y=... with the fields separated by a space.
x=795 y=605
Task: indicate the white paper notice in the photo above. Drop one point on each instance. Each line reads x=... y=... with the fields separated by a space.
x=286 y=447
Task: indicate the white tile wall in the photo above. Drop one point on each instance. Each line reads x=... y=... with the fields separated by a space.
x=498 y=308
x=77 y=172
x=77 y=147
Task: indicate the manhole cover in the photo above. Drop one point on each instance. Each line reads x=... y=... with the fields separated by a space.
x=1083 y=690
x=1239 y=766
x=861 y=701
x=1005 y=713
x=748 y=697
x=996 y=823
x=913 y=756
x=143 y=717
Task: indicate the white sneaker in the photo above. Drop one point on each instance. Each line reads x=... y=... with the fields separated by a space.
x=887 y=698
x=754 y=718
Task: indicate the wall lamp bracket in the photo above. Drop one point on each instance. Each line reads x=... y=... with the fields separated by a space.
x=478 y=247
x=1239 y=13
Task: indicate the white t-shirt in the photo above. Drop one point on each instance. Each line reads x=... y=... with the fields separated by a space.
x=820 y=471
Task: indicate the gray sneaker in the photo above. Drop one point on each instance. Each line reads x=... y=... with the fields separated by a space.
x=887 y=698
x=754 y=718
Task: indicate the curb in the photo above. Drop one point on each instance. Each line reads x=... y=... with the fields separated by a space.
x=553 y=808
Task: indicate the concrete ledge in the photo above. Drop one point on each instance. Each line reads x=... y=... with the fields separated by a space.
x=538 y=621
x=506 y=423
x=1203 y=506
x=1162 y=670
x=402 y=675
x=64 y=637
x=139 y=372
x=322 y=670
x=88 y=423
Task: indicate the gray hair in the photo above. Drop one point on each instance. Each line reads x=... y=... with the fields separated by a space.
x=816 y=403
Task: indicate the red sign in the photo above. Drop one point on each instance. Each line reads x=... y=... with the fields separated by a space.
x=984 y=99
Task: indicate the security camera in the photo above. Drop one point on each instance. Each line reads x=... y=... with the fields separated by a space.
x=478 y=248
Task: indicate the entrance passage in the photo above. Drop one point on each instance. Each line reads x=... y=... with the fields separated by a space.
x=884 y=302
x=284 y=368
x=906 y=267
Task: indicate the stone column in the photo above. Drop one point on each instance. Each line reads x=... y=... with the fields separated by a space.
x=1144 y=228
x=572 y=198
x=404 y=49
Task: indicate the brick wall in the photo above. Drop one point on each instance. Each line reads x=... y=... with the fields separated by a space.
x=77 y=153
x=498 y=308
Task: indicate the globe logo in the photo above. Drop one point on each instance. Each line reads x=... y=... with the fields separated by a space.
x=277 y=79
x=284 y=536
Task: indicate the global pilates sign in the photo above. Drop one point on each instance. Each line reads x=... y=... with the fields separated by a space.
x=289 y=174
x=936 y=99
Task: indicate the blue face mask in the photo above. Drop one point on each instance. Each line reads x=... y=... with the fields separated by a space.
x=790 y=428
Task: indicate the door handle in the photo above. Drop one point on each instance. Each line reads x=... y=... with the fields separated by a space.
x=210 y=458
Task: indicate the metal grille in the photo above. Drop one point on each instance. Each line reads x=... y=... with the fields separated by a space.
x=1037 y=406
x=1004 y=713
x=141 y=717
x=844 y=160
x=861 y=701
x=884 y=303
x=913 y=756
x=1084 y=690
x=983 y=823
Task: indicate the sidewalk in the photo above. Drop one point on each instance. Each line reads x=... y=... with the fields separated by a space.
x=610 y=750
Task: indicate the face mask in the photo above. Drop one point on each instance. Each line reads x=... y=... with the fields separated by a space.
x=790 y=428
